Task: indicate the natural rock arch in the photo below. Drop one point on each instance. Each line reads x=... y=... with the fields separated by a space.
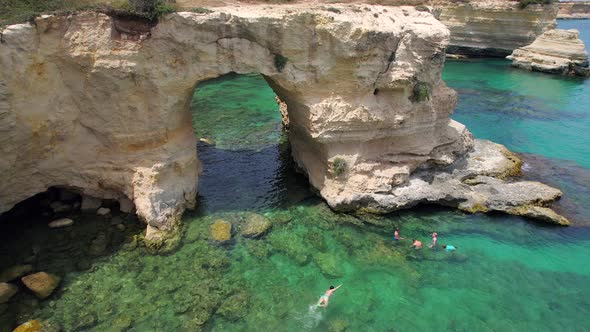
x=101 y=104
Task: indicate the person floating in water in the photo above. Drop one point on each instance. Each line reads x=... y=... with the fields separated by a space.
x=396 y=236
x=449 y=247
x=434 y=238
x=416 y=244
x=323 y=302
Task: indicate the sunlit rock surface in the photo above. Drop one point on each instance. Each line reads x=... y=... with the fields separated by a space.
x=101 y=105
x=494 y=28
x=574 y=10
x=556 y=51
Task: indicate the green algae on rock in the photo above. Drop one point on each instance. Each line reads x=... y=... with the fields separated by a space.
x=221 y=230
x=256 y=225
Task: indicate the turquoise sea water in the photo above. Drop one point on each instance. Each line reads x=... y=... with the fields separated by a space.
x=508 y=274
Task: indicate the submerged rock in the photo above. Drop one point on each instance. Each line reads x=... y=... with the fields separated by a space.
x=98 y=246
x=555 y=52
x=59 y=207
x=42 y=284
x=63 y=222
x=234 y=307
x=329 y=265
x=103 y=211
x=7 y=291
x=220 y=231
x=540 y=213
x=15 y=272
x=30 y=326
x=256 y=225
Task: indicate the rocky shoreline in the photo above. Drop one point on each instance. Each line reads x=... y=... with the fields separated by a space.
x=479 y=28
x=574 y=10
x=556 y=51
x=361 y=133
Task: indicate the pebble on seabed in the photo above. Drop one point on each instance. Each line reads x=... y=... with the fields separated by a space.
x=103 y=211
x=63 y=222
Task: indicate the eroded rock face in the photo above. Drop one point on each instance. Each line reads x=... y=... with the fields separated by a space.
x=87 y=105
x=573 y=10
x=494 y=28
x=473 y=184
x=555 y=51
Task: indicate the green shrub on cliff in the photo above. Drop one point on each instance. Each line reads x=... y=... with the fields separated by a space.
x=20 y=11
x=421 y=92
x=524 y=3
x=280 y=62
x=339 y=166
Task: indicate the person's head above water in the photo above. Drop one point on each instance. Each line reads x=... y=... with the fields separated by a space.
x=331 y=287
x=444 y=246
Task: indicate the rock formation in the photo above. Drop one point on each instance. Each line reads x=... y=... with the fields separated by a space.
x=256 y=225
x=574 y=10
x=494 y=28
x=42 y=284
x=100 y=105
x=556 y=51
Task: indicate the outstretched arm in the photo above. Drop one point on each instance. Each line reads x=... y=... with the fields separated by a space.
x=338 y=287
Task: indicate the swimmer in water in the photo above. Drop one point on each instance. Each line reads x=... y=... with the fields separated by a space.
x=416 y=244
x=396 y=236
x=323 y=302
x=434 y=238
x=449 y=247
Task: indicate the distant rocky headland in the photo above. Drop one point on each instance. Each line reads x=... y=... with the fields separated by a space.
x=574 y=10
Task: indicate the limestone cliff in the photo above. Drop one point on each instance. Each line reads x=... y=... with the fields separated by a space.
x=574 y=10
x=101 y=105
x=556 y=51
x=494 y=28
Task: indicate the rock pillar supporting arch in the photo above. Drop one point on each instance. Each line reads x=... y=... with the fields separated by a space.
x=87 y=104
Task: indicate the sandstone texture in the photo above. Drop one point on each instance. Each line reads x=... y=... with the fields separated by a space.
x=42 y=284
x=574 y=10
x=556 y=52
x=100 y=105
x=494 y=28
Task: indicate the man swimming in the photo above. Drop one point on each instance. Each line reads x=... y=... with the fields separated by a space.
x=449 y=247
x=323 y=302
x=434 y=238
x=416 y=245
x=396 y=236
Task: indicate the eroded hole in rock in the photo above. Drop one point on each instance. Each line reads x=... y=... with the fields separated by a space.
x=241 y=128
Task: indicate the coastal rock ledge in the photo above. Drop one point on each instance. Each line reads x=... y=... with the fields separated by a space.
x=100 y=105
x=555 y=52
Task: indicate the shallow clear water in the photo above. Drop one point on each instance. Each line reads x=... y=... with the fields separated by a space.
x=508 y=274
